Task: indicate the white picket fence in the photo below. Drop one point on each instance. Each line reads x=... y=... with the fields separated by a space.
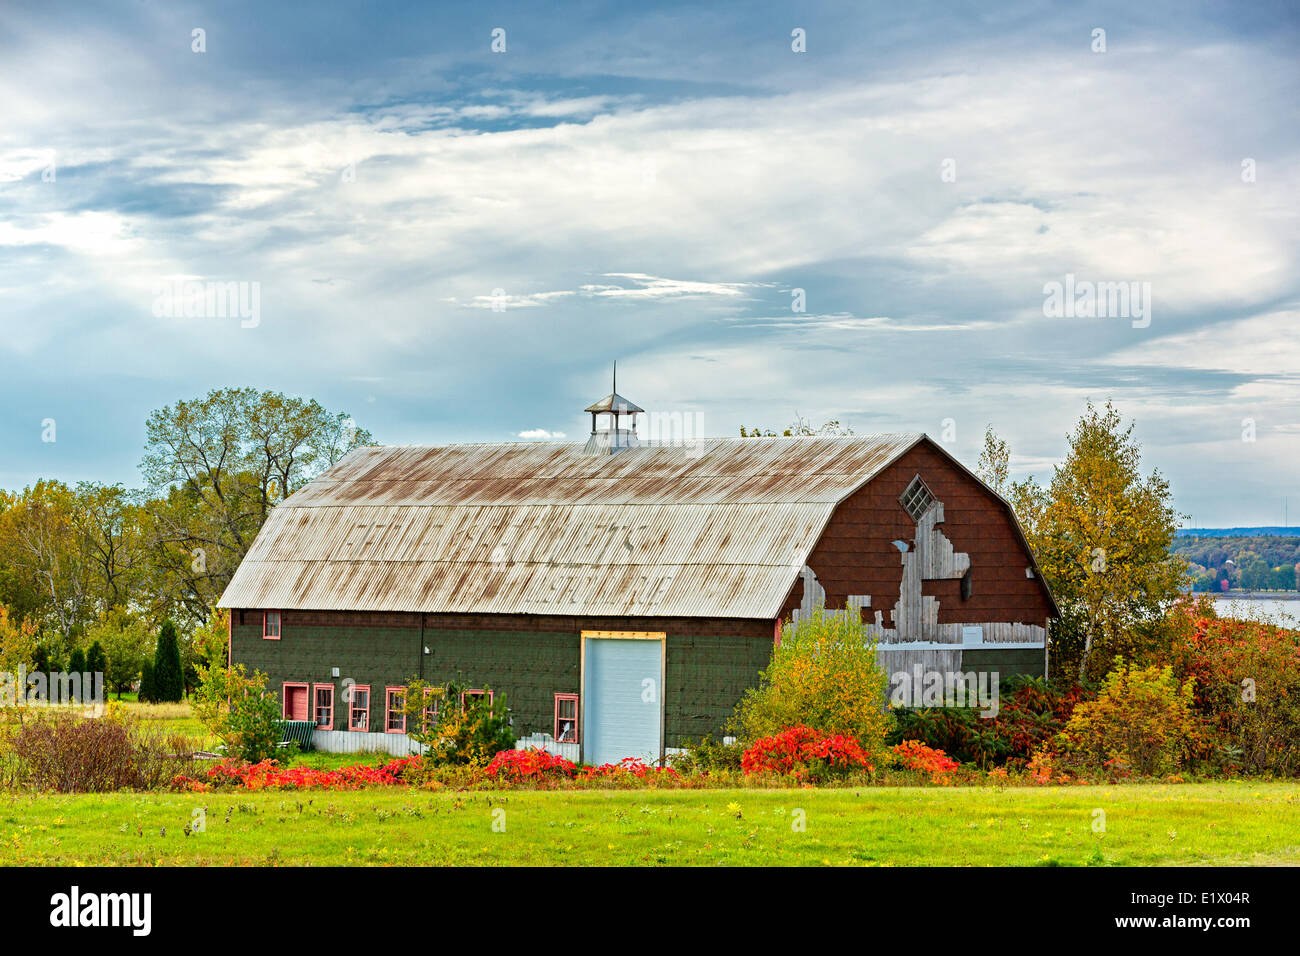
x=549 y=744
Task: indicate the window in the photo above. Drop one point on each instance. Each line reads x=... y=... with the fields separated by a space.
x=324 y=707
x=270 y=625
x=359 y=709
x=395 y=710
x=295 y=702
x=566 y=718
x=916 y=500
x=475 y=693
x=432 y=706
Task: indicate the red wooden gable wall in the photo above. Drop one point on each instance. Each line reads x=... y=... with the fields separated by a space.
x=856 y=554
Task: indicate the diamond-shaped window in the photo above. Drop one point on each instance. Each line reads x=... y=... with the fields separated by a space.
x=917 y=499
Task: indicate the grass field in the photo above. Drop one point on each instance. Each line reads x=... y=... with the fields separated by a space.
x=172 y=717
x=1144 y=825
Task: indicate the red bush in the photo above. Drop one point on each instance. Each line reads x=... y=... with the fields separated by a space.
x=915 y=755
x=532 y=764
x=268 y=775
x=805 y=753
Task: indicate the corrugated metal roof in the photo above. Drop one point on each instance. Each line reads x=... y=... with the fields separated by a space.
x=716 y=530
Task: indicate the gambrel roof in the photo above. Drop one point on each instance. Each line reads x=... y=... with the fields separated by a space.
x=721 y=529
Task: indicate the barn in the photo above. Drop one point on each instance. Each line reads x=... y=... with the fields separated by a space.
x=622 y=594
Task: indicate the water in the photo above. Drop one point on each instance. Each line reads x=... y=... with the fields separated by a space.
x=1257 y=608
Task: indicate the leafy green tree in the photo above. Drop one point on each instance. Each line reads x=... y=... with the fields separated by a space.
x=125 y=643
x=97 y=660
x=168 y=680
x=145 y=693
x=235 y=707
x=216 y=466
x=77 y=661
x=112 y=536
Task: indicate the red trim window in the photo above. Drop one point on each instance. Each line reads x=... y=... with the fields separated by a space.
x=359 y=708
x=323 y=710
x=270 y=625
x=566 y=719
x=475 y=692
x=295 y=701
x=432 y=707
x=395 y=710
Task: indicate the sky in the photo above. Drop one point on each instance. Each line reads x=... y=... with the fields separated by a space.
x=450 y=220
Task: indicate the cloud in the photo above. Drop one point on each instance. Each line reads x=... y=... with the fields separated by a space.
x=539 y=433
x=1257 y=345
x=637 y=191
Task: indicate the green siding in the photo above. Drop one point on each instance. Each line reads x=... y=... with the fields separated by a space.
x=705 y=675
x=1008 y=662
x=530 y=668
x=377 y=656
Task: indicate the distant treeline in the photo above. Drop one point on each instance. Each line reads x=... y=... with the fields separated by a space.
x=1261 y=559
x=1265 y=530
x=97 y=564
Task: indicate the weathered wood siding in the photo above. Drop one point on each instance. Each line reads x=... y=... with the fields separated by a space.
x=856 y=560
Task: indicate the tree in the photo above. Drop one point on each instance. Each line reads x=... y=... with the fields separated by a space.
x=68 y=554
x=216 y=466
x=18 y=642
x=113 y=540
x=41 y=533
x=824 y=675
x=145 y=692
x=1142 y=722
x=995 y=462
x=168 y=681
x=97 y=660
x=77 y=661
x=125 y=643
x=235 y=707
x=1101 y=534
x=456 y=729
x=800 y=426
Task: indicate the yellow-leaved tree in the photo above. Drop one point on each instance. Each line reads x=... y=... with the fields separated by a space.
x=1101 y=533
x=824 y=675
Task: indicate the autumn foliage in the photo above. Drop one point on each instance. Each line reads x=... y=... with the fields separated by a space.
x=806 y=754
x=1245 y=678
x=823 y=676
x=269 y=775
x=1142 y=722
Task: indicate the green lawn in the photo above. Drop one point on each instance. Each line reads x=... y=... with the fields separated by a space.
x=1144 y=825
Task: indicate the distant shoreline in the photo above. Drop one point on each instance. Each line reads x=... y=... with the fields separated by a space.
x=1252 y=595
x=1263 y=531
